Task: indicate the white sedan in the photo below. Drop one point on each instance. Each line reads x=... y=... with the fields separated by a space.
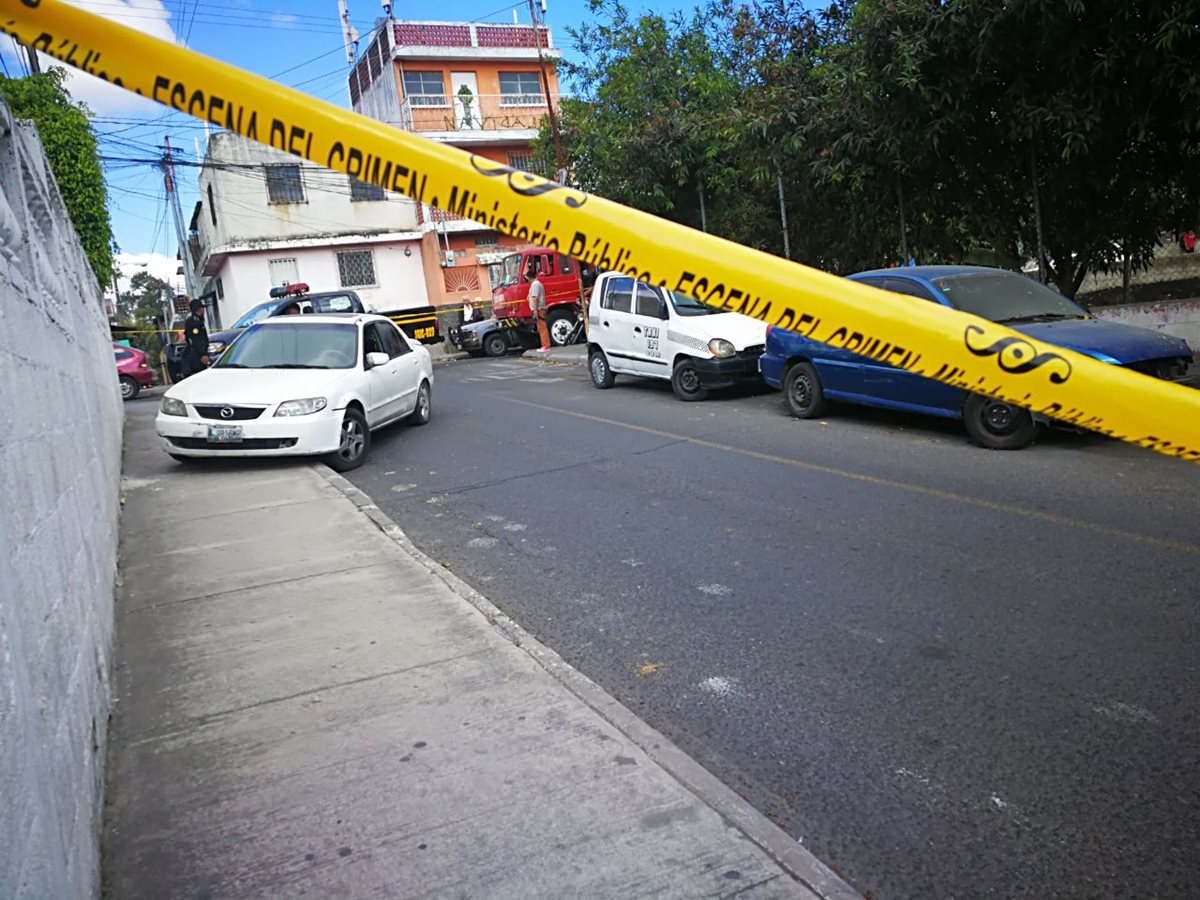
x=314 y=385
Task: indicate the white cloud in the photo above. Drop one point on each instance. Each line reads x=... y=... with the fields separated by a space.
x=148 y=16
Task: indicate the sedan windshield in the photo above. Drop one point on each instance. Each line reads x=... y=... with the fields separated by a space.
x=257 y=314
x=281 y=345
x=686 y=306
x=1007 y=297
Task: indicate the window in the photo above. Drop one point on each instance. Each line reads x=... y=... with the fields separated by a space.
x=393 y=344
x=356 y=268
x=122 y=354
x=283 y=271
x=520 y=89
x=565 y=267
x=212 y=206
x=619 y=295
x=648 y=302
x=425 y=88
x=372 y=341
x=487 y=239
x=220 y=289
x=522 y=160
x=337 y=303
x=284 y=184
x=364 y=191
x=908 y=288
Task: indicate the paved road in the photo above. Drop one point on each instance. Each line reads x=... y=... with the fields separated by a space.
x=949 y=672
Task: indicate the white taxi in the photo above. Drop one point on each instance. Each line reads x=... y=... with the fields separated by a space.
x=312 y=385
x=637 y=329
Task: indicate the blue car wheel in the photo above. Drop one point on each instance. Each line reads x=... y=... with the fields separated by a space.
x=997 y=425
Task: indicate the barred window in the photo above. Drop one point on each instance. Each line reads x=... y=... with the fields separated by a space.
x=522 y=160
x=364 y=190
x=487 y=239
x=520 y=89
x=425 y=88
x=356 y=268
x=284 y=184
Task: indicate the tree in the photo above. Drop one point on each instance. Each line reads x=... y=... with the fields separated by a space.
x=66 y=132
x=142 y=307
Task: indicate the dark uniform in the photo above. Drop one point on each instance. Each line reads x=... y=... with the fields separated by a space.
x=195 y=337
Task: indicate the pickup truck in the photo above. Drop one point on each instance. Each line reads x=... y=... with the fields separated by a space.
x=420 y=324
x=512 y=326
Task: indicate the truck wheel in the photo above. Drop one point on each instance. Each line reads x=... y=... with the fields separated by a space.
x=560 y=324
x=685 y=381
x=495 y=344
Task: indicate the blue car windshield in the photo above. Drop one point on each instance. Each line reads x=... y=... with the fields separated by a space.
x=284 y=345
x=1007 y=297
x=686 y=306
x=257 y=314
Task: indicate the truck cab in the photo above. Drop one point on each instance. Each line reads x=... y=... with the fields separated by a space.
x=560 y=277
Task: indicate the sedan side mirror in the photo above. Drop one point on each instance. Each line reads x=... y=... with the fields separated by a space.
x=377 y=359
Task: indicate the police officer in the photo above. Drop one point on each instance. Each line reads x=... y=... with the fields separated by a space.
x=195 y=336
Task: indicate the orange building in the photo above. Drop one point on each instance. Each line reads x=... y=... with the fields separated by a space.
x=480 y=87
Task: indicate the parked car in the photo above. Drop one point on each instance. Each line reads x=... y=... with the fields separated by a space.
x=810 y=374
x=132 y=371
x=325 y=302
x=638 y=329
x=314 y=385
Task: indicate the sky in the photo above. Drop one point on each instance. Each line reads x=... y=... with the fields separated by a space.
x=296 y=42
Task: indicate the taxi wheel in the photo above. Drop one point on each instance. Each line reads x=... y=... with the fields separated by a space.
x=598 y=367
x=802 y=392
x=355 y=443
x=685 y=381
x=996 y=425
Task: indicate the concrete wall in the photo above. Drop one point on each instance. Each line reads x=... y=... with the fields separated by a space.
x=234 y=171
x=60 y=457
x=1178 y=317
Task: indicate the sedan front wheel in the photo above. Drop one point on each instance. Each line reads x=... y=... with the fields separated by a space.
x=355 y=443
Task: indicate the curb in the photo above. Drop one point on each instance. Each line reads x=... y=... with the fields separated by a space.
x=552 y=361
x=737 y=812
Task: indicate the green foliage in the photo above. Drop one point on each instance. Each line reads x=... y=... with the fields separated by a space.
x=142 y=306
x=71 y=148
x=947 y=130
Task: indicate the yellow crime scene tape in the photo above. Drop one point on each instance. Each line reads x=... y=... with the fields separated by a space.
x=932 y=341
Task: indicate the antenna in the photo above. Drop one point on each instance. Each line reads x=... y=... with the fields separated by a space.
x=349 y=32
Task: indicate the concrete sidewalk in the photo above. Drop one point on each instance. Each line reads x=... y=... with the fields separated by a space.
x=308 y=706
x=575 y=355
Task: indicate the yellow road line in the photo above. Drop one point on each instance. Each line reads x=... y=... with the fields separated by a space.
x=949 y=496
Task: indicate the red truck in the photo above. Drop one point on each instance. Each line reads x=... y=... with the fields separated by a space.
x=511 y=326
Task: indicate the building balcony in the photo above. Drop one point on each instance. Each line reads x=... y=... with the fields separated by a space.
x=482 y=119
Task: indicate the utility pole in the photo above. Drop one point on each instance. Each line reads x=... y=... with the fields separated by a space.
x=787 y=245
x=168 y=167
x=537 y=13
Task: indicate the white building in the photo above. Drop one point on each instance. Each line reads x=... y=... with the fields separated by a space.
x=267 y=218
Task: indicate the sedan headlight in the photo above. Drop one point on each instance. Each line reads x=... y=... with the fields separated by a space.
x=172 y=407
x=304 y=407
x=721 y=348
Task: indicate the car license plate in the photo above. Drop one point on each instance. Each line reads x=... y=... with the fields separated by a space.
x=224 y=434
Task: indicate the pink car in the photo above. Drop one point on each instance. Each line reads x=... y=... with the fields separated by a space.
x=133 y=371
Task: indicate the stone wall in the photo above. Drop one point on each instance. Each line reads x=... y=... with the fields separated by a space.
x=60 y=454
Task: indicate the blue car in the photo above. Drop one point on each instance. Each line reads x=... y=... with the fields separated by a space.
x=810 y=374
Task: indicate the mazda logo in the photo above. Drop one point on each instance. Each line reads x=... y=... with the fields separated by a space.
x=226 y=412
